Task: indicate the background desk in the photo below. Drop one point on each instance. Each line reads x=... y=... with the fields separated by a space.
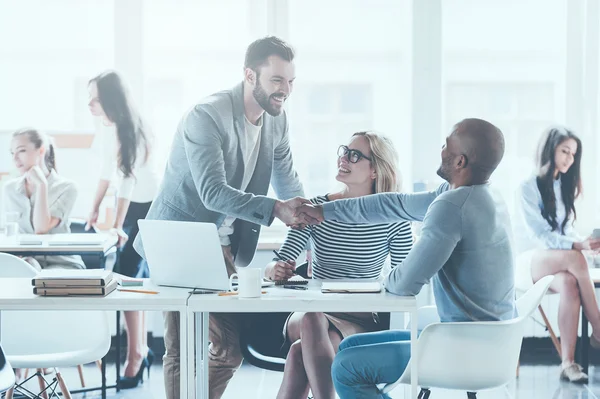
x=11 y=246
x=17 y=294
x=278 y=299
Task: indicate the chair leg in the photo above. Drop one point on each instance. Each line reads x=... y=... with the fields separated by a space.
x=42 y=383
x=472 y=395
x=553 y=337
x=9 y=393
x=26 y=374
x=99 y=364
x=63 y=385
x=518 y=367
x=80 y=371
x=424 y=394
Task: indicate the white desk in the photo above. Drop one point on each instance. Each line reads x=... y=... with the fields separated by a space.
x=278 y=299
x=11 y=245
x=17 y=294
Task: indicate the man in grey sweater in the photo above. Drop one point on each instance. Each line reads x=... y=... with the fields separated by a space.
x=465 y=248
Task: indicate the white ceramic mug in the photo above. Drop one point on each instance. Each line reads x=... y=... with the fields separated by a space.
x=249 y=282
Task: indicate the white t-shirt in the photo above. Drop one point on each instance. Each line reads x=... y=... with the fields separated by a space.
x=142 y=185
x=250 y=148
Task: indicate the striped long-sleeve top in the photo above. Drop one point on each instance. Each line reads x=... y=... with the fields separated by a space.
x=348 y=250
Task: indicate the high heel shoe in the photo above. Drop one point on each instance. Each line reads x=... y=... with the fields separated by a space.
x=132 y=382
x=150 y=359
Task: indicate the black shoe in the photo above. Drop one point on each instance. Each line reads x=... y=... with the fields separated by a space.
x=150 y=359
x=132 y=382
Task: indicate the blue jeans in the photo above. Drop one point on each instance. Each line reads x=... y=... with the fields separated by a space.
x=365 y=360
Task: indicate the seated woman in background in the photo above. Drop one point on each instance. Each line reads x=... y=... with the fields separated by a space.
x=368 y=165
x=42 y=197
x=547 y=244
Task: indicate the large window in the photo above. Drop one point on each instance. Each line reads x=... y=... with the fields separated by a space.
x=512 y=75
x=351 y=77
x=48 y=51
x=522 y=64
x=192 y=49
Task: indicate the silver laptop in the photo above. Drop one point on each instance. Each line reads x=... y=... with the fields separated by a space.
x=184 y=254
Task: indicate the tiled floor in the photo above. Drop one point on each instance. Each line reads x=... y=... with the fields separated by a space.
x=534 y=382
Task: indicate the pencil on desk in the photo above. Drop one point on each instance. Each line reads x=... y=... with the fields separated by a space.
x=138 y=291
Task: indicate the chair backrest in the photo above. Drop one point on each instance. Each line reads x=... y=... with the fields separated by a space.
x=529 y=301
x=12 y=266
x=50 y=338
x=473 y=356
x=7 y=376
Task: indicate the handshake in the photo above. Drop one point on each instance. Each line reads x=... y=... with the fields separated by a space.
x=298 y=212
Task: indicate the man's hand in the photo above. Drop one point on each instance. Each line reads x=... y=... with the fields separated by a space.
x=280 y=270
x=308 y=214
x=286 y=211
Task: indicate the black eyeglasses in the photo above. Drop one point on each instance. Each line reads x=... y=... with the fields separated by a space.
x=353 y=155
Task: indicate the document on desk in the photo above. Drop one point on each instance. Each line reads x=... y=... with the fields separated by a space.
x=351 y=287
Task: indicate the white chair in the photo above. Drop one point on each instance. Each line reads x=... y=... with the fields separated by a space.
x=521 y=287
x=49 y=339
x=472 y=356
x=7 y=376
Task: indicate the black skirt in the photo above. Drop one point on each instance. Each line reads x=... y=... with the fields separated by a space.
x=130 y=262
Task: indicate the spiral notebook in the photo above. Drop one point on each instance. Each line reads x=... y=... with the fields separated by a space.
x=295 y=280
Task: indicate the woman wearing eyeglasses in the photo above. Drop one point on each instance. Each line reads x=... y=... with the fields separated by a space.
x=367 y=165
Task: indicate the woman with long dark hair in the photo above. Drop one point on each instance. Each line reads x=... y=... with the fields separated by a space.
x=129 y=153
x=548 y=245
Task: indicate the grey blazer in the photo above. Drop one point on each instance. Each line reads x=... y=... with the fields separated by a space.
x=205 y=170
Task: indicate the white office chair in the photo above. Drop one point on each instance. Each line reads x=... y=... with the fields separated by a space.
x=521 y=287
x=7 y=376
x=471 y=356
x=49 y=339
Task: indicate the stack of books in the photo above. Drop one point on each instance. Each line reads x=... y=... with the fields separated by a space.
x=60 y=282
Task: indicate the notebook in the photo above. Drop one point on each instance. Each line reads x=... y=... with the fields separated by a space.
x=351 y=287
x=76 y=291
x=77 y=239
x=295 y=280
x=70 y=278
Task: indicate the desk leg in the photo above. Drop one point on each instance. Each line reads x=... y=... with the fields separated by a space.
x=414 y=378
x=585 y=342
x=183 y=353
x=201 y=343
x=118 y=350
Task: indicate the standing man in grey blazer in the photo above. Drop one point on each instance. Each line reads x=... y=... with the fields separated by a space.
x=226 y=151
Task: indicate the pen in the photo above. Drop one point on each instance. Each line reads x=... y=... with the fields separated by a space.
x=278 y=255
x=295 y=287
x=138 y=291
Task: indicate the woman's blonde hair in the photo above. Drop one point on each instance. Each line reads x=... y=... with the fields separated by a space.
x=384 y=160
x=40 y=139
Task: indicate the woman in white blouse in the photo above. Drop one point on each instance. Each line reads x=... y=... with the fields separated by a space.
x=42 y=198
x=129 y=153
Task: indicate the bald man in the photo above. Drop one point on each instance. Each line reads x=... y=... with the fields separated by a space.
x=464 y=248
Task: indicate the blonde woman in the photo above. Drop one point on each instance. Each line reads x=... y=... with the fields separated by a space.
x=367 y=165
x=43 y=198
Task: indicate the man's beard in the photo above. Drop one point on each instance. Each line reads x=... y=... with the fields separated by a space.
x=264 y=100
x=443 y=169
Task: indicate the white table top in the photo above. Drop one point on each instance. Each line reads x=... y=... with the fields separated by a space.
x=279 y=299
x=12 y=245
x=17 y=294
